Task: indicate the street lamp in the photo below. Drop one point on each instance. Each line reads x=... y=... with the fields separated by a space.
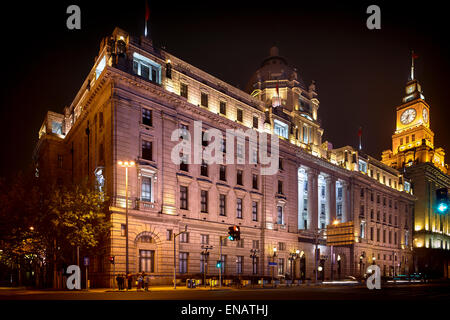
x=292 y=257
x=254 y=255
x=205 y=255
x=273 y=266
x=373 y=260
x=126 y=165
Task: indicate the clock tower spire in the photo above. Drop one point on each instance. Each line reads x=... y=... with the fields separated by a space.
x=413 y=139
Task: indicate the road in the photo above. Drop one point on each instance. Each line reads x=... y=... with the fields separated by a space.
x=432 y=292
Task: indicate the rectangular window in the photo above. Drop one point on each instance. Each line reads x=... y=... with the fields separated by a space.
x=204 y=100
x=281 y=266
x=223 y=108
x=407 y=139
x=183 y=197
x=280 y=163
x=146 y=189
x=183 y=262
x=123 y=230
x=184 y=90
x=204 y=238
x=280 y=218
x=169 y=233
x=204 y=169
x=339 y=193
x=281 y=129
x=147 y=117
x=223 y=173
x=240 y=243
x=255 y=181
x=371 y=233
x=255 y=244
x=204 y=201
x=222 y=205
x=184 y=162
x=362 y=230
x=390 y=236
x=239 y=115
x=224 y=263
x=384 y=236
x=239 y=208
x=378 y=235
x=280 y=187
x=184 y=237
x=146 y=261
x=413 y=137
x=255 y=211
x=395 y=238
x=147 y=150
x=255 y=122
x=255 y=262
x=281 y=246
x=401 y=141
x=239 y=177
x=239 y=264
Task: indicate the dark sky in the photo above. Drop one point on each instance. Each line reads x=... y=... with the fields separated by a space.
x=360 y=73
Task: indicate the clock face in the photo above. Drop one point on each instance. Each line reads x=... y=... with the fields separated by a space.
x=408 y=116
x=425 y=115
x=410 y=89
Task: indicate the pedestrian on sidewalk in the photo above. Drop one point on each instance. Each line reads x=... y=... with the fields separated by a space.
x=140 y=281
x=130 y=279
x=146 y=282
x=118 y=281
x=122 y=281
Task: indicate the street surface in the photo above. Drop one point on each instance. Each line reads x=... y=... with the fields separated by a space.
x=428 y=291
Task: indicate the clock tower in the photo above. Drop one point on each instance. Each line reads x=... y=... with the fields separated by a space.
x=413 y=139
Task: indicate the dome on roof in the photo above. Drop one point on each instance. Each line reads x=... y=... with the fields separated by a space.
x=274 y=67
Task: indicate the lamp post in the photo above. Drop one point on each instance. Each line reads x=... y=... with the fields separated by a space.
x=254 y=255
x=126 y=165
x=273 y=266
x=317 y=235
x=175 y=235
x=205 y=255
x=292 y=257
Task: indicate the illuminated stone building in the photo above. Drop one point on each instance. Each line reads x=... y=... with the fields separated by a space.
x=414 y=153
x=131 y=102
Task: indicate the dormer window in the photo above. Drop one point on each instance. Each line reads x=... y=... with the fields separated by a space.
x=146 y=68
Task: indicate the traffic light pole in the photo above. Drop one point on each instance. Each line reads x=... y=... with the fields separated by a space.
x=220 y=258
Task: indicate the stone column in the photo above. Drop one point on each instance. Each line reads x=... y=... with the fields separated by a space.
x=300 y=192
x=344 y=185
x=331 y=199
x=313 y=199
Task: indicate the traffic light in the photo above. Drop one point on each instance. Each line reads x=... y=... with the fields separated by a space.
x=111 y=259
x=442 y=201
x=218 y=264
x=234 y=233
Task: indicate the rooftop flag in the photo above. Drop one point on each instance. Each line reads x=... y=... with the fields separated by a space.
x=147 y=16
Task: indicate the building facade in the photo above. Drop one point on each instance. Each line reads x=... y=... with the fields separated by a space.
x=414 y=153
x=131 y=103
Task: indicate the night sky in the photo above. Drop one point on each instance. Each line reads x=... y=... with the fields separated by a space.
x=360 y=74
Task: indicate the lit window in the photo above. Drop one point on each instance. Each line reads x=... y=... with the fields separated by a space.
x=281 y=129
x=101 y=65
x=146 y=189
x=146 y=68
